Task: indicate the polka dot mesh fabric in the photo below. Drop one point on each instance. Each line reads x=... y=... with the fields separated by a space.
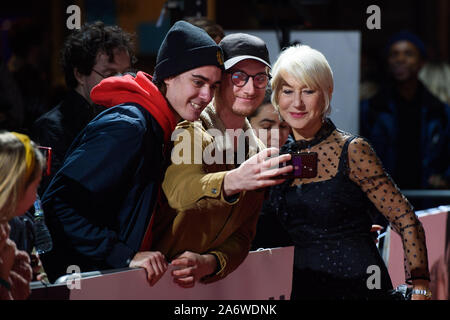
x=328 y=215
x=367 y=171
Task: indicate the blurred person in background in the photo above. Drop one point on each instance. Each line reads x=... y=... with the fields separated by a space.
x=407 y=125
x=214 y=30
x=21 y=165
x=89 y=55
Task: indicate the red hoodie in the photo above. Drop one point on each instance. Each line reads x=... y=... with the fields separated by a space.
x=116 y=90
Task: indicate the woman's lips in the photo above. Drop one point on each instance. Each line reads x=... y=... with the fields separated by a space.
x=297 y=115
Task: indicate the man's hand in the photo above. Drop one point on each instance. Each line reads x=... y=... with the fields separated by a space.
x=256 y=172
x=15 y=268
x=7 y=257
x=191 y=267
x=20 y=287
x=36 y=265
x=4 y=233
x=374 y=231
x=153 y=262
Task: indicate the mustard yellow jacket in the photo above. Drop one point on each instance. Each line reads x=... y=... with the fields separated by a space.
x=199 y=218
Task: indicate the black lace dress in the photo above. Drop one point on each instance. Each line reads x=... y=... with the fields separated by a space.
x=328 y=219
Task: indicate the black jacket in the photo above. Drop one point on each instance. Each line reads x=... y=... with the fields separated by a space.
x=60 y=126
x=379 y=124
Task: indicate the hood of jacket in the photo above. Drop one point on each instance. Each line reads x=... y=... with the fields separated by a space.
x=113 y=91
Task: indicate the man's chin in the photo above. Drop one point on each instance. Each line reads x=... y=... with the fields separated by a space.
x=192 y=118
x=244 y=112
x=403 y=77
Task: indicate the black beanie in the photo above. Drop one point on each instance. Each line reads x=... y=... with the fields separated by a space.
x=184 y=48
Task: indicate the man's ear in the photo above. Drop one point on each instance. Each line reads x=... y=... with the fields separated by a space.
x=168 y=81
x=80 y=77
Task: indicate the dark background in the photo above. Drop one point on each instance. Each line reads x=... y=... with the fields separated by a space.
x=37 y=29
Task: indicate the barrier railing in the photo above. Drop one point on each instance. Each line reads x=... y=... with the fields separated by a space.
x=429 y=194
x=264 y=275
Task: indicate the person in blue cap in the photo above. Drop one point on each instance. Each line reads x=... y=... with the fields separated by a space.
x=408 y=126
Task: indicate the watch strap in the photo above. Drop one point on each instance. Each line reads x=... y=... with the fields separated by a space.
x=423 y=292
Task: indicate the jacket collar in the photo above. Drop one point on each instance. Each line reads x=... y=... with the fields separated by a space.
x=138 y=89
x=211 y=120
x=77 y=112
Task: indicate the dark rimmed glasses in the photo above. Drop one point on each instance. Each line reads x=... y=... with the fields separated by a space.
x=240 y=79
x=100 y=74
x=113 y=74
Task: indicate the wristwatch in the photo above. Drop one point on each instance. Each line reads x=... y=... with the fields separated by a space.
x=423 y=292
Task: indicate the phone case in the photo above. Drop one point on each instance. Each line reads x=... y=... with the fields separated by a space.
x=305 y=165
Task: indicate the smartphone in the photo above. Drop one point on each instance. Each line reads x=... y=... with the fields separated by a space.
x=304 y=163
x=47 y=152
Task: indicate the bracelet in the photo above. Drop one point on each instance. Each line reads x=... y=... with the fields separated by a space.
x=219 y=265
x=5 y=284
x=423 y=292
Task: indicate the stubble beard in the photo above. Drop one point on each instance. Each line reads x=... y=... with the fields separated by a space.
x=243 y=111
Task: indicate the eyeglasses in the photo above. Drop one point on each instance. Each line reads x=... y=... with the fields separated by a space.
x=240 y=79
x=131 y=71
x=100 y=74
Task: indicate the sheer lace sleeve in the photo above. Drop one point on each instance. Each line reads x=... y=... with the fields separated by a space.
x=367 y=171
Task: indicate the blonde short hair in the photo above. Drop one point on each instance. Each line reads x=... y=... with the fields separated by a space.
x=13 y=173
x=307 y=66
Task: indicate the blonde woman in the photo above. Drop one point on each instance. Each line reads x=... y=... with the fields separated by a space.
x=21 y=166
x=326 y=213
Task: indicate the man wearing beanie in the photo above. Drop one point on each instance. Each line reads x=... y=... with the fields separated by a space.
x=407 y=125
x=207 y=232
x=99 y=205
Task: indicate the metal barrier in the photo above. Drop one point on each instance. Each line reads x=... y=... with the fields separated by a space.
x=264 y=275
x=427 y=194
